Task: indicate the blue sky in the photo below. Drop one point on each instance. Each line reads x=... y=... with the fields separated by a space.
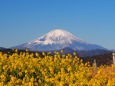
x=25 y=20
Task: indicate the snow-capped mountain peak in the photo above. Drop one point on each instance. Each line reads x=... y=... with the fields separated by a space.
x=56 y=40
x=57 y=36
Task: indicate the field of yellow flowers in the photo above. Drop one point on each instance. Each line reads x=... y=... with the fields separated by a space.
x=24 y=69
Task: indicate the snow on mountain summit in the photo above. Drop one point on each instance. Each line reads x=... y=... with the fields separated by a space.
x=56 y=40
x=57 y=36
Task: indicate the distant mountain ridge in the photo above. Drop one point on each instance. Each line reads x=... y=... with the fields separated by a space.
x=1 y=48
x=56 y=40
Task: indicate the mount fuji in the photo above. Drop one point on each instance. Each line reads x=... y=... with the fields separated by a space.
x=56 y=40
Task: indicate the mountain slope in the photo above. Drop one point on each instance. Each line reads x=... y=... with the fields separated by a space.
x=57 y=40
